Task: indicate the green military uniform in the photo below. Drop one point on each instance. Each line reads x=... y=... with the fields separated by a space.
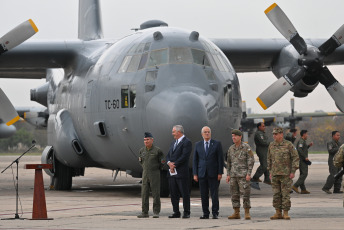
x=282 y=161
x=152 y=162
x=332 y=148
x=290 y=137
x=338 y=160
x=262 y=144
x=302 y=149
x=240 y=162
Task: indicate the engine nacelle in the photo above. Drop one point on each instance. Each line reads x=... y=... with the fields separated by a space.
x=6 y=131
x=288 y=58
x=68 y=149
x=40 y=94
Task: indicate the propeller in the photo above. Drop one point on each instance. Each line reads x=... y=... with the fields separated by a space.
x=17 y=35
x=310 y=62
x=7 y=42
x=7 y=112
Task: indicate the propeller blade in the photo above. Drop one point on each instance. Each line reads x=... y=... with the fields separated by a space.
x=333 y=87
x=280 y=87
x=7 y=112
x=333 y=43
x=17 y=35
x=282 y=23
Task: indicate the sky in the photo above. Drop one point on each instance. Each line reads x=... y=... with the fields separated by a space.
x=58 y=20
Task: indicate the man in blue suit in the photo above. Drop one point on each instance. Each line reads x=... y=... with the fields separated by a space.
x=208 y=170
x=178 y=162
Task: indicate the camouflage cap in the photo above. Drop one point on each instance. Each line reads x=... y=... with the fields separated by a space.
x=237 y=132
x=277 y=130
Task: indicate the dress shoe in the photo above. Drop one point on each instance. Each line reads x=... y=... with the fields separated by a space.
x=304 y=192
x=143 y=215
x=204 y=217
x=186 y=216
x=335 y=191
x=295 y=189
x=327 y=191
x=174 y=215
x=215 y=216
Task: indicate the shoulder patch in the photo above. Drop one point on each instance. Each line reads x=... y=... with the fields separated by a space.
x=250 y=152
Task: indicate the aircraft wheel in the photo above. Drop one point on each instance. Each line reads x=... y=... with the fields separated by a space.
x=164 y=188
x=63 y=176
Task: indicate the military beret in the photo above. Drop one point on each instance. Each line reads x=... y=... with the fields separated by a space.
x=147 y=134
x=237 y=132
x=277 y=130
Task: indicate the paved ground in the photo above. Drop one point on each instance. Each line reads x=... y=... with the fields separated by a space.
x=96 y=202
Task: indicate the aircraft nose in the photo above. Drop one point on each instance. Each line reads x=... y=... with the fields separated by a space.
x=190 y=107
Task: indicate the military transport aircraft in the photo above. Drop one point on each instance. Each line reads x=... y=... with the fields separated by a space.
x=103 y=94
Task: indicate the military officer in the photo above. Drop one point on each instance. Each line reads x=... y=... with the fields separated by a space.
x=338 y=160
x=151 y=159
x=332 y=148
x=262 y=144
x=240 y=162
x=291 y=136
x=283 y=161
x=302 y=149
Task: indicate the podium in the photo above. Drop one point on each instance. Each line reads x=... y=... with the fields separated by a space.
x=39 y=210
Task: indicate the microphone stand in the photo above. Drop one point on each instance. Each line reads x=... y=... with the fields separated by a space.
x=16 y=216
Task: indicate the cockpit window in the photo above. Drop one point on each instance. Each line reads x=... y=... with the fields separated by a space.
x=180 y=56
x=125 y=64
x=134 y=63
x=199 y=57
x=139 y=57
x=157 y=57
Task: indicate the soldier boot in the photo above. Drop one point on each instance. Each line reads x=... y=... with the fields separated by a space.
x=277 y=215
x=285 y=215
x=305 y=191
x=295 y=189
x=236 y=214
x=247 y=214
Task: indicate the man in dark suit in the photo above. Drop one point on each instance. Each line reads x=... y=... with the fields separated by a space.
x=178 y=162
x=208 y=170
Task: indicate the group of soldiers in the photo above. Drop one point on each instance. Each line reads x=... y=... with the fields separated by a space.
x=279 y=161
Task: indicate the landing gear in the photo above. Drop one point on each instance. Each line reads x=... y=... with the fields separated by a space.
x=62 y=179
x=164 y=188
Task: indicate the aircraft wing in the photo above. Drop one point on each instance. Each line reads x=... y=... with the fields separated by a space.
x=259 y=55
x=31 y=59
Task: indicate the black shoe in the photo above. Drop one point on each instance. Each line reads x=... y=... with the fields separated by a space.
x=215 y=216
x=204 y=217
x=174 y=215
x=186 y=216
x=335 y=191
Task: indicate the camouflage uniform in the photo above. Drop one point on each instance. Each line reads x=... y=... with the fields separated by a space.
x=240 y=162
x=282 y=161
x=302 y=149
x=262 y=144
x=338 y=160
x=152 y=162
x=290 y=137
x=332 y=148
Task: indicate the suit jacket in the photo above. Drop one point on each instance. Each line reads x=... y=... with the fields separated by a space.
x=180 y=156
x=211 y=164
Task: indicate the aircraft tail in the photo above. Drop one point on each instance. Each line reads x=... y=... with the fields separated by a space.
x=90 y=27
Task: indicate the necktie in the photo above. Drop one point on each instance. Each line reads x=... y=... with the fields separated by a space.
x=175 y=145
x=206 y=148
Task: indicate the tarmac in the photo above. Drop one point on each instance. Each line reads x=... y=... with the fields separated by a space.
x=97 y=202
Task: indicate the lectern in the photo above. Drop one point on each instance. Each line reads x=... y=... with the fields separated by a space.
x=39 y=210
